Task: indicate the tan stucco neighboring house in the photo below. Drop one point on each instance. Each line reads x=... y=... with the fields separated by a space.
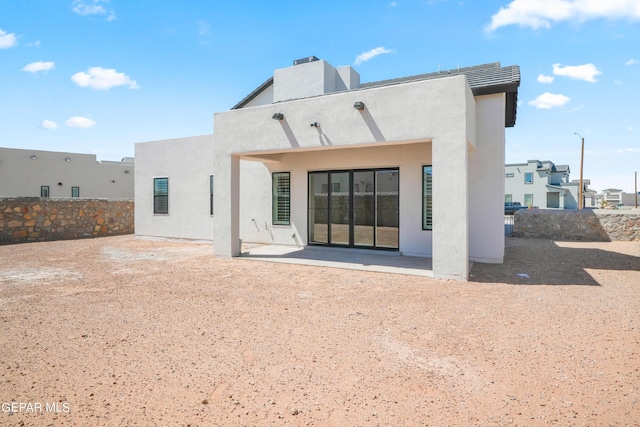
x=413 y=165
x=54 y=174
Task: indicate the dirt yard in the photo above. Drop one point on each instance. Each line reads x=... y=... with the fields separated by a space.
x=123 y=332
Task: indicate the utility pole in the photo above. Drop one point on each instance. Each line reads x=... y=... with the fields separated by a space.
x=581 y=200
x=636 y=189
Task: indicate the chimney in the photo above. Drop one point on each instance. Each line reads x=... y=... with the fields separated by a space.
x=310 y=77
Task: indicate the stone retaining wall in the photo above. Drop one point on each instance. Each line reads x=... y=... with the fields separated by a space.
x=586 y=225
x=29 y=219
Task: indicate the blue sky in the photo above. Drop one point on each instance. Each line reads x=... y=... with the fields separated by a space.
x=96 y=76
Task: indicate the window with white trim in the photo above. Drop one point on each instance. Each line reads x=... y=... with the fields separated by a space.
x=281 y=198
x=427 y=197
x=528 y=199
x=528 y=177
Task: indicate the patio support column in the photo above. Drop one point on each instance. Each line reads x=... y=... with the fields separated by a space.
x=450 y=207
x=561 y=202
x=226 y=230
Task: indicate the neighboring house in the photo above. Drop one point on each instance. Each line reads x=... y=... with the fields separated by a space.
x=612 y=196
x=35 y=173
x=313 y=157
x=593 y=200
x=542 y=184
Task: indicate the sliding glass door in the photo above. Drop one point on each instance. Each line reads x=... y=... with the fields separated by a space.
x=354 y=208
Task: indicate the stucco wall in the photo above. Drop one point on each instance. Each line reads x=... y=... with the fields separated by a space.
x=187 y=162
x=22 y=176
x=30 y=219
x=486 y=182
x=588 y=225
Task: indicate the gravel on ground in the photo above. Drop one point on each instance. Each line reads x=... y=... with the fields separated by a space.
x=119 y=331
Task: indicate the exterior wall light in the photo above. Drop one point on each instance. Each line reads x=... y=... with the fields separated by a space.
x=33 y=157
x=278 y=116
x=67 y=159
x=315 y=124
x=359 y=105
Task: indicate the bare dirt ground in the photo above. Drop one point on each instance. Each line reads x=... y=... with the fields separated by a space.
x=125 y=332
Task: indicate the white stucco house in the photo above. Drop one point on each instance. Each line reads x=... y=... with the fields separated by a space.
x=54 y=174
x=543 y=184
x=312 y=156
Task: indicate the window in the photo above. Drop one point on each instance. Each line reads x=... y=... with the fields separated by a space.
x=281 y=194
x=528 y=177
x=210 y=194
x=44 y=191
x=509 y=175
x=75 y=191
x=427 y=201
x=161 y=196
x=528 y=199
x=336 y=187
x=508 y=198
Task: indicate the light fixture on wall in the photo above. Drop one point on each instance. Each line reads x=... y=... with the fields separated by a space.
x=126 y=171
x=33 y=157
x=359 y=105
x=67 y=159
x=278 y=116
x=59 y=183
x=315 y=125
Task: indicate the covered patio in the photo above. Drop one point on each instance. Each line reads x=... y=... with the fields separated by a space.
x=349 y=259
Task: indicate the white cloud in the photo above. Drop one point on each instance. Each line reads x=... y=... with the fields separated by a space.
x=631 y=61
x=542 y=13
x=103 y=79
x=365 y=56
x=617 y=82
x=629 y=128
x=545 y=79
x=7 y=40
x=549 y=100
x=34 y=44
x=79 y=122
x=93 y=7
x=48 y=124
x=34 y=67
x=393 y=4
x=586 y=72
x=628 y=150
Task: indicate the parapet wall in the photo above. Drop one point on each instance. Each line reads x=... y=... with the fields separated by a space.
x=30 y=219
x=586 y=225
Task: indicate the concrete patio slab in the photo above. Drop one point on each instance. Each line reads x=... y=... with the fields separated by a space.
x=346 y=258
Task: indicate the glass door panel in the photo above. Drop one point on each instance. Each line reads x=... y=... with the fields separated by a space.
x=339 y=208
x=363 y=208
x=354 y=208
x=318 y=207
x=387 y=208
